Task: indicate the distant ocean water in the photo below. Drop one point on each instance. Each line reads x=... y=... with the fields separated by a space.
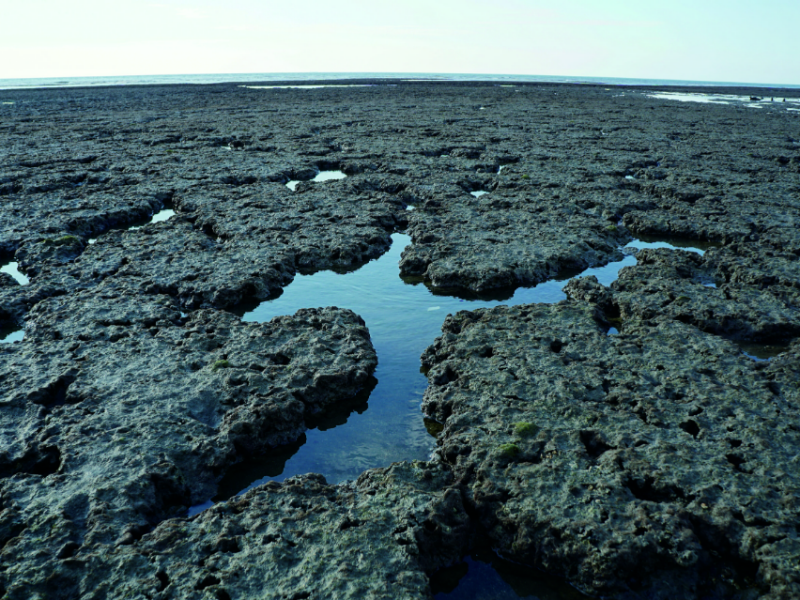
x=59 y=82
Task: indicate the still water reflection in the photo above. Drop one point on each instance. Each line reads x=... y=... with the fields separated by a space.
x=404 y=317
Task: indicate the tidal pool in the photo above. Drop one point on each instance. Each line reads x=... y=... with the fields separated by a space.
x=648 y=241
x=321 y=176
x=11 y=334
x=761 y=352
x=404 y=316
x=162 y=215
x=384 y=423
x=12 y=268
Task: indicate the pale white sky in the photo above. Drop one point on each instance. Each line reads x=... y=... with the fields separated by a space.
x=712 y=40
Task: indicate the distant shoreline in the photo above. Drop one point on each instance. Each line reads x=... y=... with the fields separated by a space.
x=323 y=78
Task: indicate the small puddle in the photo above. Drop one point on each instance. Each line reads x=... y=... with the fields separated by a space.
x=164 y=214
x=761 y=352
x=12 y=268
x=329 y=175
x=404 y=317
x=13 y=333
x=478 y=194
x=650 y=241
x=483 y=575
x=321 y=176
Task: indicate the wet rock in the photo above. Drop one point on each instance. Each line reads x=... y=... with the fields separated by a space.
x=654 y=463
x=504 y=241
x=741 y=292
x=7 y=281
x=118 y=413
x=377 y=537
x=58 y=250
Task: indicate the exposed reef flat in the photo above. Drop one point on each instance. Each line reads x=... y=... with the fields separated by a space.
x=657 y=463
x=660 y=462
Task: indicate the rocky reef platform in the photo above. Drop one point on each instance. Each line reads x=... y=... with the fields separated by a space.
x=638 y=440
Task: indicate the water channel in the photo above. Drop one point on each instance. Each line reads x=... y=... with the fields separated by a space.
x=403 y=316
x=162 y=215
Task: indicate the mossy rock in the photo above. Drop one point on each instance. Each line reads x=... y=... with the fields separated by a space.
x=509 y=450
x=64 y=240
x=524 y=429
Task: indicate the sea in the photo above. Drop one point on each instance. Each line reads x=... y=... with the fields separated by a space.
x=204 y=79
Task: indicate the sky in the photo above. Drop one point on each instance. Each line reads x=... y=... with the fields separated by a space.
x=701 y=40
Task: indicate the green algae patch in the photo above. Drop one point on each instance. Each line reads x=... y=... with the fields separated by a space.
x=66 y=240
x=524 y=429
x=509 y=450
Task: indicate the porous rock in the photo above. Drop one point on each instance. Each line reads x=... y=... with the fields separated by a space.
x=118 y=412
x=377 y=537
x=659 y=463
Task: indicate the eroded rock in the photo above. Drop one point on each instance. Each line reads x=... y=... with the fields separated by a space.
x=377 y=537
x=646 y=464
x=118 y=412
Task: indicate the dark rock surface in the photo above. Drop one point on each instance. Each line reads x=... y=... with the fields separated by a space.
x=505 y=240
x=376 y=537
x=658 y=463
x=741 y=292
x=117 y=413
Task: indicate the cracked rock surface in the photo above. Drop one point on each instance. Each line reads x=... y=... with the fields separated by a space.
x=376 y=537
x=117 y=413
x=657 y=463
x=742 y=292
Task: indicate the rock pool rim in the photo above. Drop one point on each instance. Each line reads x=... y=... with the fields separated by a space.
x=242 y=477
x=166 y=212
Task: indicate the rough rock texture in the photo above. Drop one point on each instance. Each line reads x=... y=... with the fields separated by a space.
x=505 y=240
x=654 y=463
x=657 y=463
x=376 y=537
x=742 y=292
x=118 y=413
x=562 y=166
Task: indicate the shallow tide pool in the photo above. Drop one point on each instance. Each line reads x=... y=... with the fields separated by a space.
x=321 y=176
x=404 y=317
x=162 y=215
x=12 y=268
